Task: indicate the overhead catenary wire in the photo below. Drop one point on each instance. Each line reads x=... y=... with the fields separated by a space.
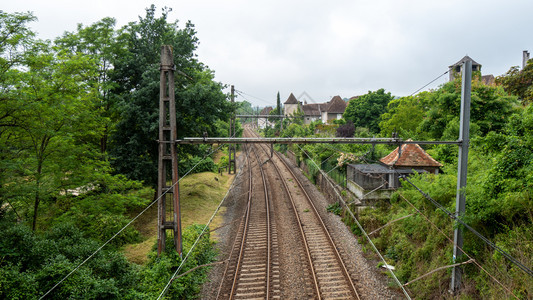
x=450 y=239
x=125 y=226
x=453 y=217
x=475 y=232
x=167 y=286
x=262 y=100
x=362 y=230
x=430 y=83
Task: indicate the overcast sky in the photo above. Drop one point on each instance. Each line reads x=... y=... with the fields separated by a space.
x=324 y=48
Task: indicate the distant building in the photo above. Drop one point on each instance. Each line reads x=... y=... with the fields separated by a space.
x=312 y=112
x=376 y=181
x=263 y=122
x=331 y=110
x=488 y=79
x=334 y=109
x=456 y=69
x=291 y=105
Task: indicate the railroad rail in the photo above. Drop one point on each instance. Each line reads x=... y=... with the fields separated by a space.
x=329 y=273
x=253 y=271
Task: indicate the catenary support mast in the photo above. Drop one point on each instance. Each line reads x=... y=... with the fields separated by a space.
x=460 y=201
x=232 y=166
x=167 y=183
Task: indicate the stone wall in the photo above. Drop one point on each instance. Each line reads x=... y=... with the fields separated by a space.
x=291 y=156
x=331 y=190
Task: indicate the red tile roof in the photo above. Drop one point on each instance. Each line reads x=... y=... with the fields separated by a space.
x=412 y=155
x=266 y=110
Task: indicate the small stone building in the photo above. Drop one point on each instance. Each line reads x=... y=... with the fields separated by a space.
x=409 y=157
x=312 y=112
x=456 y=70
x=291 y=105
x=377 y=181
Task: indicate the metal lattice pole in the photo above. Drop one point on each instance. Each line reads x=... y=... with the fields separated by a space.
x=167 y=183
x=232 y=166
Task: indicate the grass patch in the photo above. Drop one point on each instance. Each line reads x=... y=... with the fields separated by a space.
x=200 y=194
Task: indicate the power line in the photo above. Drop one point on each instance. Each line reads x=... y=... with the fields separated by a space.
x=263 y=100
x=361 y=228
x=450 y=239
x=165 y=289
x=129 y=223
x=430 y=83
x=475 y=232
x=486 y=240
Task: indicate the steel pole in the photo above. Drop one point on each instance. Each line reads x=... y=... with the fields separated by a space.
x=460 y=201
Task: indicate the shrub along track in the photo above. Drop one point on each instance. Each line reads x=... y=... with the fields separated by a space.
x=311 y=261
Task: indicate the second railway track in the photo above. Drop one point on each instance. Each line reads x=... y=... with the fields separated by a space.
x=256 y=252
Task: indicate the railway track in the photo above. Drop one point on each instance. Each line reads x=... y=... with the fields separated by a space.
x=253 y=271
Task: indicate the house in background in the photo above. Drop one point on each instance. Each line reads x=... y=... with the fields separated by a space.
x=334 y=109
x=456 y=70
x=312 y=112
x=377 y=181
x=331 y=110
x=263 y=122
x=290 y=107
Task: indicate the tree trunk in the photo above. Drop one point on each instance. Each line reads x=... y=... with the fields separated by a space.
x=35 y=208
x=37 y=194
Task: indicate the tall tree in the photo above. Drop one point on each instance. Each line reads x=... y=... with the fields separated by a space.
x=15 y=39
x=104 y=45
x=442 y=118
x=365 y=111
x=279 y=104
x=519 y=82
x=56 y=108
x=200 y=101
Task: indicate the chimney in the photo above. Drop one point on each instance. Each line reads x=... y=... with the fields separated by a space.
x=525 y=58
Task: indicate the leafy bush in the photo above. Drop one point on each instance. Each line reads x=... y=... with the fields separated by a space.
x=31 y=268
x=335 y=208
x=32 y=264
x=160 y=269
x=202 y=165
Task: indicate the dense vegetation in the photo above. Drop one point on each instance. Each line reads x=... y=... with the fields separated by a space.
x=78 y=153
x=78 y=124
x=499 y=201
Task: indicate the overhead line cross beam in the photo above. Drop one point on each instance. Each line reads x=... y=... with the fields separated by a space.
x=370 y=141
x=269 y=116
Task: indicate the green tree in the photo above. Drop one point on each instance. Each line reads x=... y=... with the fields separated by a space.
x=104 y=45
x=519 y=82
x=200 y=101
x=245 y=108
x=15 y=39
x=55 y=117
x=278 y=106
x=365 y=111
x=403 y=115
x=442 y=118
